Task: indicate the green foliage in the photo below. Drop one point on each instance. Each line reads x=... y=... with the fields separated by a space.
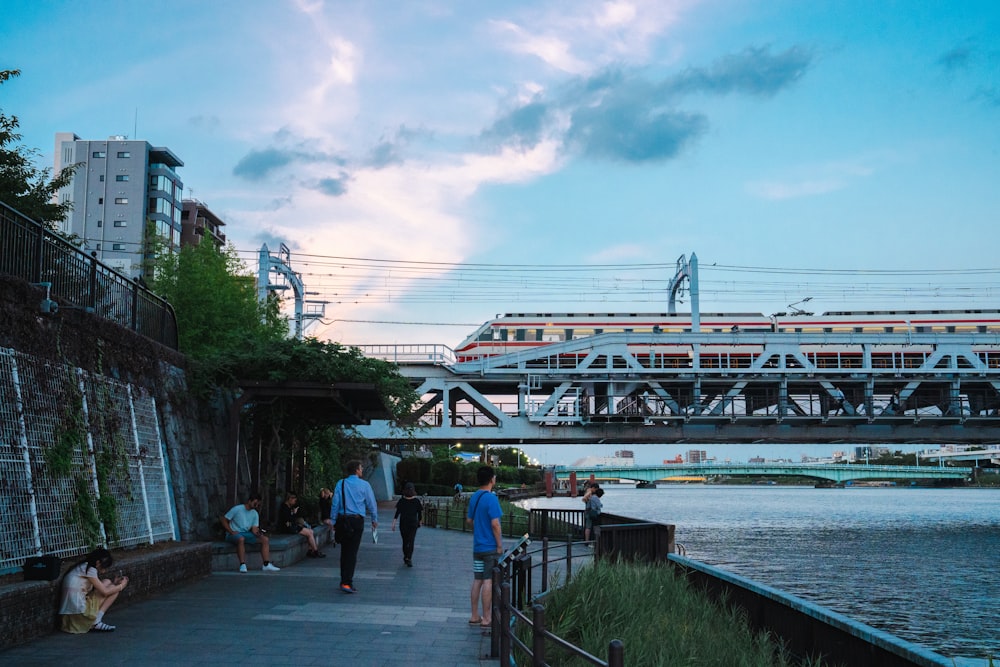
x=82 y=512
x=70 y=433
x=24 y=186
x=679 y=624
x=215 y=300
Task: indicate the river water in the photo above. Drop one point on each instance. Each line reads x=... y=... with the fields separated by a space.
x=922 y=564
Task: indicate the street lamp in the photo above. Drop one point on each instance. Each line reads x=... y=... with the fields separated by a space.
x=517 y=455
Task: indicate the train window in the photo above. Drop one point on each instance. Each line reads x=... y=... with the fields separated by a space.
x=519 y=334
x=598 y=331
x=921 y=329
x=950 y=329
x=552 y=335
x=569 y=334
x=859 y=329
x=888 y=329
x=503 y=334
x=981 y=328
x=827 y=329
x=486 y=335
x=539 y=334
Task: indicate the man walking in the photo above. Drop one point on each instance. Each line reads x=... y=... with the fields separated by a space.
x=353 y=498
x=487 y=544
x=242 y=524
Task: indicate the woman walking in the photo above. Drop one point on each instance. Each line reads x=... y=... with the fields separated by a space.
x=409 y=511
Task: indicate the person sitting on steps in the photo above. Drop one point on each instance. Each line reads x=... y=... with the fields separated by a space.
x=242 y=524
x=290 y=522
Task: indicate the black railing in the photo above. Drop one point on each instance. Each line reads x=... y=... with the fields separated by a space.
x=74 y=279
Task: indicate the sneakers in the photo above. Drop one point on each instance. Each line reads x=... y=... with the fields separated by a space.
x=243 y=567
x=101 y=626
x=271 y=567
x=347 y=588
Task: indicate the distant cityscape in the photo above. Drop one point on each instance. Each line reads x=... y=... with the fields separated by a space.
x=626 y=457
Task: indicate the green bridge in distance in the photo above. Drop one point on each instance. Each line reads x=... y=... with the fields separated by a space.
x=836 y=473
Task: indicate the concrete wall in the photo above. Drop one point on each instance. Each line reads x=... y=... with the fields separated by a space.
x=806 y=628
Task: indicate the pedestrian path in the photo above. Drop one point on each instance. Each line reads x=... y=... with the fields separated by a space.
x=401 y=615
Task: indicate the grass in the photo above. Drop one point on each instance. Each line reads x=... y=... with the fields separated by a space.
x=659 y=617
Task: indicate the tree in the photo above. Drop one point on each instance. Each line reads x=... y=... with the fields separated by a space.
x=24 y=186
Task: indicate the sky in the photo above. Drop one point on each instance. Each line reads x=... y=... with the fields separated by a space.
x=424 y=161
x=430 y=164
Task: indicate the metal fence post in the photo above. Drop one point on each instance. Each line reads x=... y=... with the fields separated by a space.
x=545 y=563
x=616 y=653
x=538 y=635
x=505 y=628
x=569 y=557
x=494 y=621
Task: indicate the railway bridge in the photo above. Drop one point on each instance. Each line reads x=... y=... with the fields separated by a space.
x=783 y=387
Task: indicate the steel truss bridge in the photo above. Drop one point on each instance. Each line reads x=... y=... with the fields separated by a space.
x=830 y=472
x=735 y=387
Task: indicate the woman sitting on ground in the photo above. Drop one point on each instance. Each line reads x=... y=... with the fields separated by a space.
x=86 y=596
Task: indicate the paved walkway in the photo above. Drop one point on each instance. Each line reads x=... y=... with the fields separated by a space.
x=401 y=616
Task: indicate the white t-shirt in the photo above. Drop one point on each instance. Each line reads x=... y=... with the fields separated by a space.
x=241 y=519
x=76 y=587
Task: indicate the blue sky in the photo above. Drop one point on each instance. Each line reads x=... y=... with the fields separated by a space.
x=832 y=135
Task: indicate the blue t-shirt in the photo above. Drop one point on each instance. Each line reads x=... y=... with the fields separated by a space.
x=484 y=506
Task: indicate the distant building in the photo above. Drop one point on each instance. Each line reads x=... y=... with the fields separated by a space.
x=697 y=456
x=198 y=223
x=625 y=454
x=122 y=188
x=604 y=461
x=756 y=459
x=675 y=460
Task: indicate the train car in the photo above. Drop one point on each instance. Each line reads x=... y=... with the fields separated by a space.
x=514 y=332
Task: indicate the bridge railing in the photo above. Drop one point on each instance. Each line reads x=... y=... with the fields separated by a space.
x=34 y=253
x=439 y=355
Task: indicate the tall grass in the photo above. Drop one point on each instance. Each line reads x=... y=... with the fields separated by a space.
x=660 y=618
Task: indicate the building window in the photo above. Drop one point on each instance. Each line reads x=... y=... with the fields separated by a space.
x=100 y=200
x=121 y=178
x=101 y=178
x=117 y=246
x=99 y=154
x=121 y=223
x=98 y=246
x=100 y=223
x=121 y=200
x=124 y=154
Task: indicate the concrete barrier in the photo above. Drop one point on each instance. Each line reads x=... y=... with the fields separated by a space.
x=807 y=629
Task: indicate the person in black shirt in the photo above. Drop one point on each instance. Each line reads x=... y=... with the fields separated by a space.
x=409 y=511
x=290 y=522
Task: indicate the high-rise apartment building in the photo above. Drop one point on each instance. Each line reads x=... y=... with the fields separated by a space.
x=121 y=191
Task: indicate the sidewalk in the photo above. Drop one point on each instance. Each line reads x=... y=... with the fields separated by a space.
x=401 y=616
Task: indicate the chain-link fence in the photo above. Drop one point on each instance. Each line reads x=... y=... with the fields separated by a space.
x=81 y=462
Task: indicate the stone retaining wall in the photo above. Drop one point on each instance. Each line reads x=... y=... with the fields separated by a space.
x=29 y=609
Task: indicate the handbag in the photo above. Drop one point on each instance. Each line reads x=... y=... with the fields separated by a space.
x=342 y=529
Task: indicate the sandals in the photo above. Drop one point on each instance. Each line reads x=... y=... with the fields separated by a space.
x=475 y=621
x=101 y=626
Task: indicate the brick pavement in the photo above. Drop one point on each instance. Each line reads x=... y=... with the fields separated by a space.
x=400 y=617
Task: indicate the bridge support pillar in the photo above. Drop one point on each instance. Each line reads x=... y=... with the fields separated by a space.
x=572 y=484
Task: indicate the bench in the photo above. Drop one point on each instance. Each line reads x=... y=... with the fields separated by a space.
x=285 y=550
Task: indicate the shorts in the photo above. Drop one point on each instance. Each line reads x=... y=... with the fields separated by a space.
x=248 y=537
x=483 y=564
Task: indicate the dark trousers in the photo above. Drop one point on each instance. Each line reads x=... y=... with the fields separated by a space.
x=349 y=550
x=409 y=534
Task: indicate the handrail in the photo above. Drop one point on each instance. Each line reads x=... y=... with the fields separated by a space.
x=32 y=252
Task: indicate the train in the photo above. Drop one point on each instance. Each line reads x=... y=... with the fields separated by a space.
x=514 y=332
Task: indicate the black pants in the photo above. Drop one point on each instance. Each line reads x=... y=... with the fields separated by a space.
x=409 y=534
x=349 y=550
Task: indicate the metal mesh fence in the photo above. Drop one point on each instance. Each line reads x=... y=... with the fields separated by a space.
x=76 y=447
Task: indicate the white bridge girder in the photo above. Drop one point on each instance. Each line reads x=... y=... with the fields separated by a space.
x=780 y=387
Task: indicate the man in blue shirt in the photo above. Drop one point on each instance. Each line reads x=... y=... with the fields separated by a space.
x=353 y=497
x=487 y=544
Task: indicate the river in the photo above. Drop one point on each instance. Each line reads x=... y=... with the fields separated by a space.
x=922 y=564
